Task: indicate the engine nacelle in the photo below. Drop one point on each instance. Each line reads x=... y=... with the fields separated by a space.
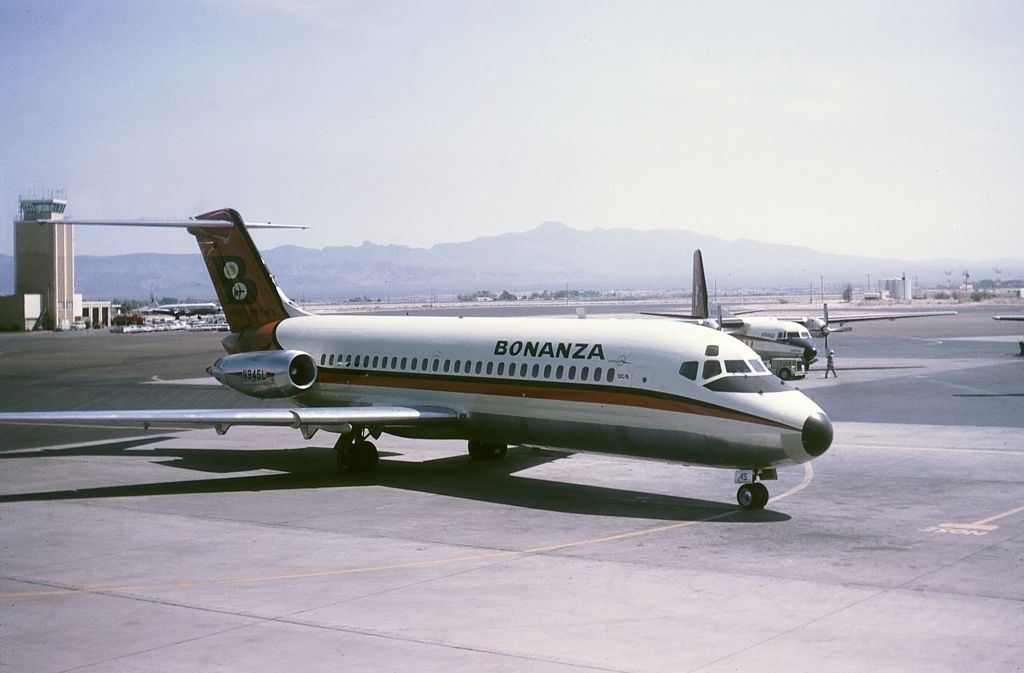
x=266 y=373
x=818 y=327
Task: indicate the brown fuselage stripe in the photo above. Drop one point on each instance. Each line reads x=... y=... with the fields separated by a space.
x=543 y=390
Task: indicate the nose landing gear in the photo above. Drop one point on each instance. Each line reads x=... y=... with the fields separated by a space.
x=753 y=494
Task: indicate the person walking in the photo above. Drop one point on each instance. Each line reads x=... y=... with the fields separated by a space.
x=830 y=365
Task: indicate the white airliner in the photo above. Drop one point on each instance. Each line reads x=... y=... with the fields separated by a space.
x=653 y=389
x=186 y=310
x=778 y=336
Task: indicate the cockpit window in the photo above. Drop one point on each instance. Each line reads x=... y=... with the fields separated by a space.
x=689 y=369
x=734 y=376
x=737 y=367
x=712 y=368
x=711 y=351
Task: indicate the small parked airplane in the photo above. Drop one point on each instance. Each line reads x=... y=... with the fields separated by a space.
x=653 y=389
x=183 y=310
x=777 y=336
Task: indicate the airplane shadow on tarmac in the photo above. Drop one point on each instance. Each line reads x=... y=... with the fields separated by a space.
x=453 y=476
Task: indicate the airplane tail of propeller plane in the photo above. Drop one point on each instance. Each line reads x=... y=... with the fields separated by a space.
x=699 y=307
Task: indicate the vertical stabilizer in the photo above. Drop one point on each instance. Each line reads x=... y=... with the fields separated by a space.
x=245 y=287
x=700 y=288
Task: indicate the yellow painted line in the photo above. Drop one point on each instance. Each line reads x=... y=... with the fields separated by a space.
x=997 y=517
x=251 y=580
x=484 y=556
x=982 y=527
x=984 y=524
x=968 y=526
x=930 y=449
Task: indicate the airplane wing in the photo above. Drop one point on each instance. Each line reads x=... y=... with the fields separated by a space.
x=1008 y=317
x=306 y=419
x=858 y=318
x=841 y=319
x=832 y=319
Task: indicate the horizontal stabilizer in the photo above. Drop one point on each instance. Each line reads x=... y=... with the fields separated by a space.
x=179 y=224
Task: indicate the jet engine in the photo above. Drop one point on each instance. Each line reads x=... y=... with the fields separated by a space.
x=266 y=374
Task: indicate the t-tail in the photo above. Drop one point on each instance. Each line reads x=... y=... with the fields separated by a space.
x=253 y=303
x=250 y=297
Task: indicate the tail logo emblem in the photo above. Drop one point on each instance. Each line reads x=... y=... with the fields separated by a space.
x=233 y=279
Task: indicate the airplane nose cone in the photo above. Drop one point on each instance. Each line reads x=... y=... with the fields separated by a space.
x=810 y=354
x=817 y=434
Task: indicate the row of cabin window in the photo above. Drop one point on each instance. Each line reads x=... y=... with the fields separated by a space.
x=479 y=368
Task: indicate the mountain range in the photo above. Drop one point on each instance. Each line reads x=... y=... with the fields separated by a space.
x=551 y=257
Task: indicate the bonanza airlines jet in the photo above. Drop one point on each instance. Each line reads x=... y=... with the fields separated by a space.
x=652 y=389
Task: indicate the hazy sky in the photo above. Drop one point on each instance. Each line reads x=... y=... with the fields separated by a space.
x=880 y=128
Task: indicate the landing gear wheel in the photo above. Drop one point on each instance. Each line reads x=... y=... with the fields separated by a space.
x=487 y=451
x=752 y=496
x=366 y=456
x=762 y=494
x=355 y=456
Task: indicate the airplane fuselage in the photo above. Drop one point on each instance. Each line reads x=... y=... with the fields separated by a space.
x=651 y=389
x=774 y=338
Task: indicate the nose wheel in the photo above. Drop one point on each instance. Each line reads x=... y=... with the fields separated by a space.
x=752 y=496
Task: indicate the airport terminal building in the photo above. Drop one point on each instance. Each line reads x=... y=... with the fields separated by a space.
x=44 y=273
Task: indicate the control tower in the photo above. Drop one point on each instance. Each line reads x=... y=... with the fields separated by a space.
x=44 y=260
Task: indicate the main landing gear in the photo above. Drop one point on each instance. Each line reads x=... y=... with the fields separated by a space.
x=753 y=494
x=355 y=453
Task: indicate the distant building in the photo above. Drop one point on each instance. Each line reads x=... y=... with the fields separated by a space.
x=900 y=289
x=44 y=273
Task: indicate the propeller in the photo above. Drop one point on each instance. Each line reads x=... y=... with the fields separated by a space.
x=825 y=330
